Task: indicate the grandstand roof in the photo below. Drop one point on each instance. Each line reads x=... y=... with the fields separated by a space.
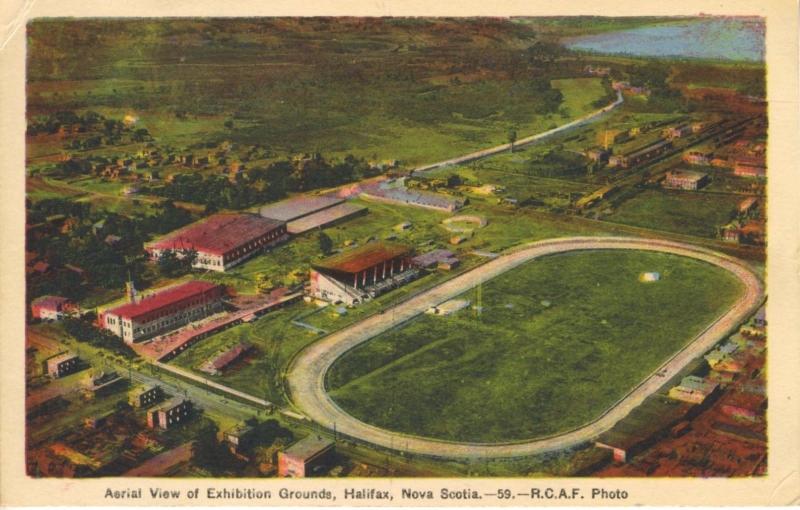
x=364 y=257
x=217 y=234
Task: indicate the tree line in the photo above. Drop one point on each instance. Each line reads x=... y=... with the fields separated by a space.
x=263 y=184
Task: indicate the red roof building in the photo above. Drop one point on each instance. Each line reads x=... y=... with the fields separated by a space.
x=220 y=362
x=163 y=311
x=51 y=307
x=222 y=240
x=747 y=166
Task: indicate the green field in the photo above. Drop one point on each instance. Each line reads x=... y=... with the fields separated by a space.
x=413 y=90
x=557 y=341
x=693 y=213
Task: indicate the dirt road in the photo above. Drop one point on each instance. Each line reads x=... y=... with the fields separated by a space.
x=306 y=375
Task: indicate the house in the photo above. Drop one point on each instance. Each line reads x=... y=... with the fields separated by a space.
x=730 y=233
x=720 y=354
x=51 y=307
x=362 y=273
x=61 y=364
x=163 y=311
x=753 y=232
x=241 y=437
x=693 y=389
x=432 y=258
x=744 y=406
x=747 y=166
x=448 y=264
x=720 y=162
x=698 y=157
x=747 y=205
x=685 y=179
x=169 y=414
x=221 y=241
x=597 y=154
x=146 y=396
x=677 y=131
x=306 y=457
x=220 y=362
x=105 y=383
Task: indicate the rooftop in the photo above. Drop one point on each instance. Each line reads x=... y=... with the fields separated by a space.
x=309 y=447
x=695 y=383
x=685 y=174
x=432 y=257
x=230 y=355
x=61 y=357
x=753 y=227
x=323 y=217
x=51 y=302
x=217 y=234
x=161 y=299
x=747 y=203
x=297 y=207
x=648 y=148
x=172 y=403
x=364 y=257
x=751 y=160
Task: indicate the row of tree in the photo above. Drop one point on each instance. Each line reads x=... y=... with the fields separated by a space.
x=263 y=184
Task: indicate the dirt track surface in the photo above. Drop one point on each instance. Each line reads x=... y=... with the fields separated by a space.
x=306 y=375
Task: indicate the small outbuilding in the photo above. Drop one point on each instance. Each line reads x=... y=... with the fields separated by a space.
x=305 y=457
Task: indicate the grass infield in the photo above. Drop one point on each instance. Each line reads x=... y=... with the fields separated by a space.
x=558 y=340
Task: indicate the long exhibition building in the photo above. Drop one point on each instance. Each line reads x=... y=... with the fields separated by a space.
x=362 y=273
x=222 y=240
x=169 y=309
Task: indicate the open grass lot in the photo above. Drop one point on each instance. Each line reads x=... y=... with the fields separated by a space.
x=558 y=341
x=275 y=339
x=579 y=94
x=692 y=213
x=413 y=90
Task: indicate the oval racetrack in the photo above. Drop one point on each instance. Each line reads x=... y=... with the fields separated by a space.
x=306 y=375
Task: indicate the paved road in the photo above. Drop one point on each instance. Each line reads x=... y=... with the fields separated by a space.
x=523 y=141
x=306 y=375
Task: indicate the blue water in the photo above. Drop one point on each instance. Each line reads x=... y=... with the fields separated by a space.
x=725 y=39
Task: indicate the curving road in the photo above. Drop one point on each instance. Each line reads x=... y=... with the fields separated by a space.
x=466 y=158
x=306 y=375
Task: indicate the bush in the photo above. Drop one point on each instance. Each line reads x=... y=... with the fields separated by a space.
x=85 y=331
